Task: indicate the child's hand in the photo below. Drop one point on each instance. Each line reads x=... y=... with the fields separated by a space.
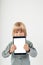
x=26 y=47
x=13 y=48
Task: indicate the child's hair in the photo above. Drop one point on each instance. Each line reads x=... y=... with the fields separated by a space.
x=19 y=26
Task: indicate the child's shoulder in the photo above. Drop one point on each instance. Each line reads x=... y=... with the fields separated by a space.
x=29 y=42
x=10 y=43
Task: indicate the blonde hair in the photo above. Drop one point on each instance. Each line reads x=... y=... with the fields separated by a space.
x=20 y=26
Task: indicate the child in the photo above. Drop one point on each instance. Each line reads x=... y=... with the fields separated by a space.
x=19 y=30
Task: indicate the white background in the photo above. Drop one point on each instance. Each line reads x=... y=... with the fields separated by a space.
x=30 y=12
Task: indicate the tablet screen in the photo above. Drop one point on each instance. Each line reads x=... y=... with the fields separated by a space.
x=19 y=43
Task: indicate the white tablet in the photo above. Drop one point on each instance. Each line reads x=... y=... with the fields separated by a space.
x=19 y=43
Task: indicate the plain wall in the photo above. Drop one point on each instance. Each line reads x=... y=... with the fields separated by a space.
x=30 y=12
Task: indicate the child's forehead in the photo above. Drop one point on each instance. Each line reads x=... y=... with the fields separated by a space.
x=18 y=28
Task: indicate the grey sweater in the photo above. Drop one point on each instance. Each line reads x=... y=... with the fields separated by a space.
x=20 y=59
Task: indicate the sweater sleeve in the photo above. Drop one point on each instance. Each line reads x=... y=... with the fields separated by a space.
x=33 y=51
x=5 y=52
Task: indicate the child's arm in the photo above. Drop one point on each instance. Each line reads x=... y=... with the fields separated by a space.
x=32 y=51
x=6 y=53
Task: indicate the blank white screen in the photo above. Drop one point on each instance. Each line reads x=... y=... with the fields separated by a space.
x=19 y=42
